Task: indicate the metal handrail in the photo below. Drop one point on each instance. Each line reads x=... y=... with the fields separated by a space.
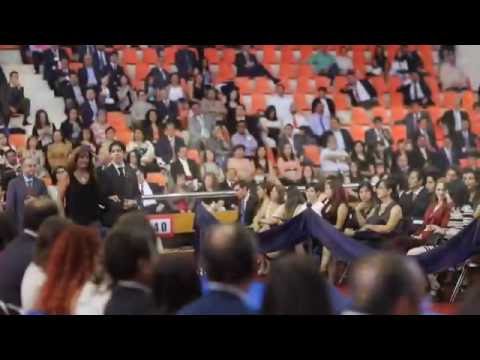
x=213 y=194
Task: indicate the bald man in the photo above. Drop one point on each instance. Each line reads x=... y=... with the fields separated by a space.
x=228 y=257
x=387 y=284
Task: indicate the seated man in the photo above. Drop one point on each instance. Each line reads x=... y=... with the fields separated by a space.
x=447 y=156
x=283 y=105
x=168 y=145
x=319 y=123
x=73 y=93
x=323 y=63
x=412 y=120
x=332 y=159
x=17 y=101
x=199 y=127
x=185 y=166
x=378 y=134
x=422 y=156
x=11 y=169
x=452 y=119
x=415 y=88
x=88 y=75
x=243 y=137
x=247 y=65
x=452 y=78
x=185 y=61
x=416 y=200
x=100 y=60
x=115 y=71
x=167 y=110
x=159 y=74
x=429 y=135
x=466 y=140
x=89 y=109
x=51 y=62
x=149 y=206
x=328 y=103
x=139 y=109
x=361 y=92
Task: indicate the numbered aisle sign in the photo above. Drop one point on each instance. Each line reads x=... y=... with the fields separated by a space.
x=162 y=224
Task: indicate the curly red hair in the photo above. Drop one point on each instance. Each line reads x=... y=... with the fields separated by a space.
x=71 y=264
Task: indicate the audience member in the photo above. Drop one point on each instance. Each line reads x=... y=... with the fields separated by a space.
x=332 y=159
x=471 y=179
x=99 y=127
x=452 y=77
x=185 y=61
x=414 y=88
x=386 y=284
x=248 y=203
x=271 y=127
x=324 y=64
x=197 y=88
x=363 y=160
x=118 y=186
x=328 y=103
x=361 y=92
x=412 y=121
x=100 y=61
x=248 y=65
x=43 y=129
x=466 y=140
x=368 y=201
x=71 y=127
x=151 y=126
x=115 y=71
x=89 y=109
x=167 y=109
x=289 y=168
x=422 y=155
x=125 y=94
x=379 y=63
x=220 y=145
x=175 y=88
x=88 y=75
x=17 y=102
x=73 y=92
x=159 y=75
x=344 y=61
x=228 y=257
x=244 y=167
x=130 y=257
x=343 y=136
x=283 y=105
x=210 y=165
x=9 y=229
x=378 y=134
x=33 y=151
x=199 y=127
x=150 y=206
x=140 y=109
x=168 y=145
x=213 y=108
x=51 y=61
x=185 y=166
x=452 y=120
x=415 y=201
x=18 y=253
x=144 y=149
x=244 y=138
x=262 y=164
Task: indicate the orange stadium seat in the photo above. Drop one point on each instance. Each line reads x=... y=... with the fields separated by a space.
x=129 y=56
x=435 y=113
x=19 y=141
x=289 y=70
x=269 y=55
x=340 y=82
x=259 y=103
x=149 y=56
x=396 y=100
x=194 y=155
x=117 y=120
x=449 y=99
x=359 y=60
x=399 y=132
x=271 y=157
x=169 y=54
x=228 y=56
x=439 y=134
x=306 y=52
x=394 y=82
x=301 y=102
x=245 y=85
x=468 y=100
x=75 y=66
x=391 y=51
x=212 y=55
x=306 y=71
x=263 y=85
x=360 y=116
x=398 y=113
x=432 y=84
x=124 y=135
x=381 y=112
x=342 y=101
x=306 y=85
x=312 y=153
x=322 y=81
x=357 y=132
x=226 y=72
x=141 y=71
x=378 y=83
x=287 y=56
x=157 y=178
x=69 y=52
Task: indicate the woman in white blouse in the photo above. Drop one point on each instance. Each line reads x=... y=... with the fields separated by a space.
x=333 y=160
x=176 y=90
x=144 y=148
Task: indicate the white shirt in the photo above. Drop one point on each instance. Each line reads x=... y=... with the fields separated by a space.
x=117 y=167
x=78 y=94
x=94 y=107
x=344 y=63
x=91 y=79
x=380 y=136
x=175 y=93
x=32 y=282
x=340 y=141
x=420 y=94
x=282 y=105
x=92 y=300
x=448 y=153
x=186 y=168
x=145 y=189
x=361 y=93
x=326 y=109
x=457 y=115
x=332 y=166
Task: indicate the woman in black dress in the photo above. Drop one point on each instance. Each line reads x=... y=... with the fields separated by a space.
x=79 y=192
x=362 y=159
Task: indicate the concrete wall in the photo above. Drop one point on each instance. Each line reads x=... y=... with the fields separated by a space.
x=468 y=58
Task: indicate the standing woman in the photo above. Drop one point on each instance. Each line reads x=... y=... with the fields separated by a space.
x=43 y=129
x=125 y=95
x=151 y=126
x=79 y=191
x=335 y=212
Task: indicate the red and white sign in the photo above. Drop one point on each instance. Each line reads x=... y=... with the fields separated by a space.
x=163 y=225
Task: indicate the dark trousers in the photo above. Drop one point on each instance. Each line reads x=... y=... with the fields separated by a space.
x=368 y=104
x=22 y=107
x=37 y=59
x=257 y=71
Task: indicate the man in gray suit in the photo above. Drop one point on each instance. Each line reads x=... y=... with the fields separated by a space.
x=24 y=188
x=199 y=127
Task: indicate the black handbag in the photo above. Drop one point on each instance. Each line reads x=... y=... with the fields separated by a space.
x=434 y=239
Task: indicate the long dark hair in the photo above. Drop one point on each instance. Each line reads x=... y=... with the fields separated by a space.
x=37 y=119
x=292 y=155
x=294 y=198
x=72 y=164
x=339 y=195
x=269 y=110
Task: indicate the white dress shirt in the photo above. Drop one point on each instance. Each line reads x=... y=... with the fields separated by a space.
x=283 y=106
x=361 y=94
x=328 y=165
x=32 y=282
x=457 y=115
x=340 y=141
x=91 y=79
x=145 y=189
x=186 y=168
x=419 y=93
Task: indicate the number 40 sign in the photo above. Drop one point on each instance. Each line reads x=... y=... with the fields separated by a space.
x=162 y=224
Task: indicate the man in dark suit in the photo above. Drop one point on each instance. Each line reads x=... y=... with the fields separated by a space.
x=167 y=146
x=328 y=104
x=161 y=77
x=119 y=187
x=416 y=200
x=344 y=139
x=421 y=155
x=167 y=110
x=247 y=203
x=23 y=188
x=287 y=137
x=89 y=75
x=447 y=156
x=423 y=130
x=129 y=260
x=184 y=166
x=11 y=169
x=452 y=119
x=186 y=61
x=51 y=62
x=73 y=93
x=412 y=121
x=247 y=65
x=89 y=109
x=100 y=60
x=115 y=71
x=18 y=254
x=378 y=134
x=84 y=50
x=17 y=102
x=151 y=206
x=416 y=89
x=465 y=140
x=361 y=92
x=228 y=256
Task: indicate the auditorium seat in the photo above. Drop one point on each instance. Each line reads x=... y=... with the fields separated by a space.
x=342 y=101
x=358 y=132
x=116 y=120
x=124 y=135
x=305 y=85
x=435 y=113
x=301 y=102
x=398 y=113
x=263 y=85
x=306 y=52
x=381 y=112
x=75 y=66
x=450 y=99
x=312 y=153
x=399 y=132
x=269 y=55
x=287 y=56
x=360 y=116
x=378 y=83
x=194 y=155
x=157 y=178
x=149 y=56
x=169 y=54
x=228 y=56
x=19 y=141
x=129 y=56
x=468 y=100
x=340 y=83
x=245 y=85
x=322 y=81
x=259 y=103
x=288 y=70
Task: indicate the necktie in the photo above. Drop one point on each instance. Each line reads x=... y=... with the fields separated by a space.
x=321 y=124
x=121 y=170
x=355 y=93
x=29 y=182
x=467 y=140
x=415 y=93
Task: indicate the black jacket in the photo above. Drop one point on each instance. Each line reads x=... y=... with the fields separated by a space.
x=50 y=63
x=418 y=161
x=186 y=61
x=164 y=111
x=448 y=120
x=160 y=78
x=330 y=104
x=442 y=162
x=368 y=88
x=177 y=169
x=115 y=75
x=129 y=301
x=164 y=150
x=371 y=137
x=241 y=61
x=407 y=99
x=415 y=209
x=245 y=216
x=125 y=188
x=460 y=142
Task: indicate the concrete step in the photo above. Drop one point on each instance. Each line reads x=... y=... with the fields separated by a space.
x=10 y=57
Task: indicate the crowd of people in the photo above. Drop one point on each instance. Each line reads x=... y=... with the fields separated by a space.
x=411 y=195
